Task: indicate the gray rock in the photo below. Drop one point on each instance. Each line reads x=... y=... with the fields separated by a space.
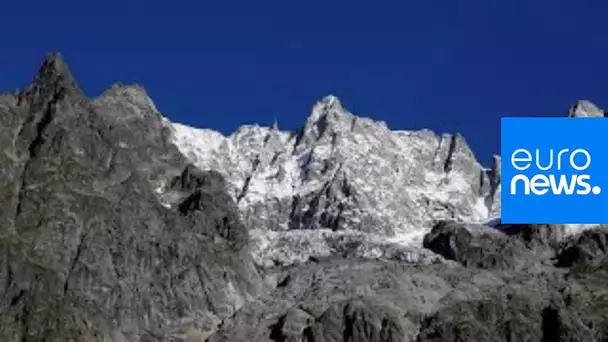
x=358 y=321
x=88 y=249
x=353 y=300
x=338 y=298
x=587 y=247
x=536 y=235
x=345 y=300
x=478 y=246
x=546 y=307
x=585 y=109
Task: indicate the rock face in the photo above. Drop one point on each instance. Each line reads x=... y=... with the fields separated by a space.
x=501 y=289
x=88 y=250
x=477 y=246
x=589 y=246
x=557 y=305
x=343 y=173
x=585 y=109
x=503 y=247
x=110 y=233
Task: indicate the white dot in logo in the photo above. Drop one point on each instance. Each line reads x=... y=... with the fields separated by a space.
x=596 y=190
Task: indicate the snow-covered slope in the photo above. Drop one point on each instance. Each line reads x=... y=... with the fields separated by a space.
x=343 y=175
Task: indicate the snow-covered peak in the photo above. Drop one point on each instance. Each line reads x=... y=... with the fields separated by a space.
x=585 y=109
x=330 y=124
x=342 y=173
x=329 y=105
x=329 y=102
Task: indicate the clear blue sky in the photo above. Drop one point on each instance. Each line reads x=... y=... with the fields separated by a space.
x=445 y=65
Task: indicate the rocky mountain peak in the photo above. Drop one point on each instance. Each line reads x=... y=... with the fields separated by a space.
x=327 y=108
x=108 y=234
x=326 y=119
x=54 y=79
x=329 y=102
x=585 y=109
x=133 y=94
x=54 y=67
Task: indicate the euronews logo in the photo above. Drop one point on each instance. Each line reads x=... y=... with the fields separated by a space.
x=553 y=170
x=550 y=178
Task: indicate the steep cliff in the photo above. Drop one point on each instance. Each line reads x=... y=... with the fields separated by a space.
x=88 y=251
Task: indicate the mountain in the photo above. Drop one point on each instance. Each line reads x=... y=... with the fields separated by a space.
x=118 y=225
x=343 y=176
x=88 y=252
x=585 y=109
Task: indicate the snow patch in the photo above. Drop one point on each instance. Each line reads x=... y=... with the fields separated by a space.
x=573 y=229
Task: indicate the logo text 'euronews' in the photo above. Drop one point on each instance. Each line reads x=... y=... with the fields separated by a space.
x=553 y=170
x=549 y=179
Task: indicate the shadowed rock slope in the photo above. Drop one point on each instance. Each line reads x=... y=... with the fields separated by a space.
x=88 y=252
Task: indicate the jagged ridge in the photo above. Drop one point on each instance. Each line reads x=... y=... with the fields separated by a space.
x=343 y=173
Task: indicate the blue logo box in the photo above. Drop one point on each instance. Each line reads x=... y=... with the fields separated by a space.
x=554 y=170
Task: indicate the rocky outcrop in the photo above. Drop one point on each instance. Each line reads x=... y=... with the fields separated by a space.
x=480 y=246
x=589 y=246
x=554 y=305
x=585 y=109
x=89 y=251
x=505 y=246
x=500 y=290
x=341 y=300
x=532 y=312
x=536 y=235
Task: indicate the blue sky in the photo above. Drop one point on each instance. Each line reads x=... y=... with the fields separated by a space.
x=446 y=65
